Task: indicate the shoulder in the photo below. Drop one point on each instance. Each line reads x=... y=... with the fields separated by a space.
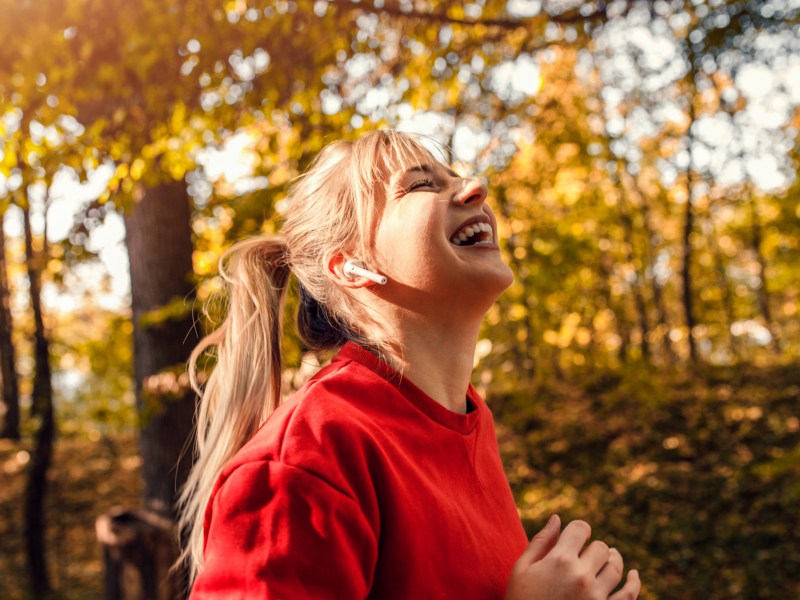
x=326 y=429
x=341 y=401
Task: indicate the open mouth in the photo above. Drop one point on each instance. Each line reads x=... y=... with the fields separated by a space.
x=471 y=235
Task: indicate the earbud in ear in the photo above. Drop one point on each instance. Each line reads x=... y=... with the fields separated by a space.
x=354 y=268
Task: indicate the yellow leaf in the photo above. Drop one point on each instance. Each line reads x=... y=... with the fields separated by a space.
x=9 y=162
x=137 y=169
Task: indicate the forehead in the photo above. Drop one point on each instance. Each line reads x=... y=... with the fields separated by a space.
x=409 y=159
x=434 y=169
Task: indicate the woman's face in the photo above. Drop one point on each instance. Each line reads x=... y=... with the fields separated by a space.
x=437 y=242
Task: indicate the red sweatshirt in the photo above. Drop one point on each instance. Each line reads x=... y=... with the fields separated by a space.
x=361 y=485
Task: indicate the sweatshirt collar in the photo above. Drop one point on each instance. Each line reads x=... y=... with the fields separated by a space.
x=461 y=423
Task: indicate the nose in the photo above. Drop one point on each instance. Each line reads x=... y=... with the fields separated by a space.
x=472 y=192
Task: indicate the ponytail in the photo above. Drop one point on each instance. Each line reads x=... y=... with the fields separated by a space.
x=245 y=385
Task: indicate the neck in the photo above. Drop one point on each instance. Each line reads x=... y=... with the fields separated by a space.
x=437 y=359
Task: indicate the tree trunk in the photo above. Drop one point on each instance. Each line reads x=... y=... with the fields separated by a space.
x=686 y=277
x=638 y=297
x=35 y=492
x=621 y=179
x=658 y=296
x=688 y=224
x=728 y=308
x=159 y=242
x=763 y=290
x=10 y=398
x=605 y=265
x=36 y=486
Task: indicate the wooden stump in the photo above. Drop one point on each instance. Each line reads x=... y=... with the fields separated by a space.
x=139 y=549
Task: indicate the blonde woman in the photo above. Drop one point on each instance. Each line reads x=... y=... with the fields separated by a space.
x=381 y=477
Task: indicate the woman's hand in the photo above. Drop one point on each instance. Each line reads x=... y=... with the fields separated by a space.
x=557 y=567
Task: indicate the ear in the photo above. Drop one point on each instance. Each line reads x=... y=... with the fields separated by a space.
x=336 y=271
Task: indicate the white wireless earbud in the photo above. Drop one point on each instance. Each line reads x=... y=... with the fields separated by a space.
x=353 y=269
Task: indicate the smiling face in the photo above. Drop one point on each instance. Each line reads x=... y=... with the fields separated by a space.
x=437 y=241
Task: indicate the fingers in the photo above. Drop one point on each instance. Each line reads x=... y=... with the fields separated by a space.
x=595 y=557
x=573 y=538
x=631 y=589
x=611 y=572
x=542 y=542
x=555 y=566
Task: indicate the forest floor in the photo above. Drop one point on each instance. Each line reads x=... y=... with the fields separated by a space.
x=87 y=478
x=696 y=479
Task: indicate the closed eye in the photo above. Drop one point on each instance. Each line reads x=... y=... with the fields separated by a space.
x=419 y=184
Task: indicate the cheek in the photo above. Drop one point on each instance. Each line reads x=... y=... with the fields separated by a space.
x=409 y=249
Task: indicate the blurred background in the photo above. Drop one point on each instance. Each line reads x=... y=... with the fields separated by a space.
x=642 y=158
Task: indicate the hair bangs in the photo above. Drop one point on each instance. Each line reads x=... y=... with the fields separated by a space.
x=376 y=158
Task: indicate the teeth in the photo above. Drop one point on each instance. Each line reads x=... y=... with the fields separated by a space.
x=470 y=230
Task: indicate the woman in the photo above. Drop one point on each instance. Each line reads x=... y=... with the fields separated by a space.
x=380 y=477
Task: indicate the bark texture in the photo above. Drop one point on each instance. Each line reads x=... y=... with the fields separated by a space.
x=36 y=486
x=688 y=223
x=159 y=242
x=8 y=373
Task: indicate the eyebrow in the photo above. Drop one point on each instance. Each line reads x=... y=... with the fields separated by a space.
x=429 y=170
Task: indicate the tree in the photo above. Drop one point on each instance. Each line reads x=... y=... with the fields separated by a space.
x=229 y=69
x=618 y=230
x=42 y=402
x=161 y=290
x=8 y=373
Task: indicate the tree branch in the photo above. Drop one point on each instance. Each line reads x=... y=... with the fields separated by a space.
x=392 y=8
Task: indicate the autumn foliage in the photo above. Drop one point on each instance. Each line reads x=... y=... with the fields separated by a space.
x=642 y=160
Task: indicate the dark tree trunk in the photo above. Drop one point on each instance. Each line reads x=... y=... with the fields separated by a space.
x=728 y=309
x=638 y=297
x=658 y=296
x=36 y=486
x=686 y=277
x=688 y=224
x=621 y=178
x=763 y=290
x=159 y=242
x=641 y=309
x=35 y=492
x=8 y=373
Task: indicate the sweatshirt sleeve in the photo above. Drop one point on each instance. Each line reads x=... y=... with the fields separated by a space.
x=277 y=531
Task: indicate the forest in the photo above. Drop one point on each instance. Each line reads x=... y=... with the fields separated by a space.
x=642 y=157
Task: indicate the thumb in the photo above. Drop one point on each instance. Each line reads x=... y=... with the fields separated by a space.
x=542 y=542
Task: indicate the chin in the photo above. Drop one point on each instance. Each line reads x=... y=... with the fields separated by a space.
x=501 y=278
x=504 y=281
x=508 y=276
x=491 y=287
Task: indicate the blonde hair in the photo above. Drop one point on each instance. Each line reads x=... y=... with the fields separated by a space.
x=334 y=207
